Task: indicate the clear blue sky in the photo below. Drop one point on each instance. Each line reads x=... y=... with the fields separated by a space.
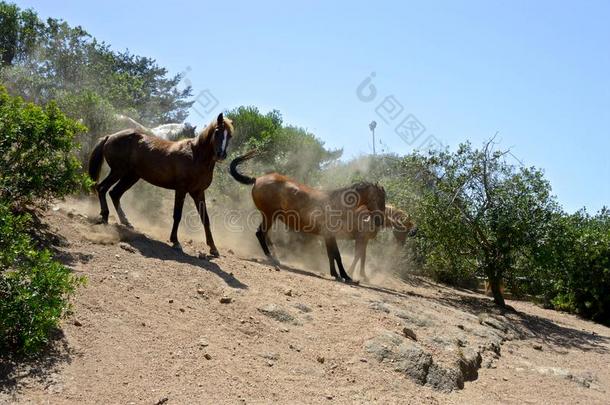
x=537 y=72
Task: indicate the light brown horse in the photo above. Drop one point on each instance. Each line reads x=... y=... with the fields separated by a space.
x=186 y=166
x=330 y=214
x=399 y=221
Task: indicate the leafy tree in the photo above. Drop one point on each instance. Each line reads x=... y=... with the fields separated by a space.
x=51 y=60
x=477 y=213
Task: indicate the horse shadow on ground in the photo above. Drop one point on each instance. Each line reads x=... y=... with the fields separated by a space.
x=152 y=248
x=15 y=370
x=523 y=325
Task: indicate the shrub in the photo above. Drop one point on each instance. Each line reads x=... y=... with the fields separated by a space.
x=37 y=150
x=34 y=289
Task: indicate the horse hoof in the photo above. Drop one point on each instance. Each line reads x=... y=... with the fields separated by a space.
x=128 y=225
x=101 y=221
x=214 y=252
x=177 y=246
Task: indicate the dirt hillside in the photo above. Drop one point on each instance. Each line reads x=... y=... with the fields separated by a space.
x=158 y=326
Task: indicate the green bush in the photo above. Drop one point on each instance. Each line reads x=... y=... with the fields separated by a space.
x=34 y=289
x=37 y=164
x=37 y=149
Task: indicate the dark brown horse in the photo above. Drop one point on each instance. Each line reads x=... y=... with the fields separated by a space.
x=186 y=166
x=399 y=221
x=330 y=214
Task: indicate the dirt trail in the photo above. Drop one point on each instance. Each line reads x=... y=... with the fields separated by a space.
x=156 y=326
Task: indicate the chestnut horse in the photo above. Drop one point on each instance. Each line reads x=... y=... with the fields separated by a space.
x=186 y=166
x=402 y=226
x=330 y=214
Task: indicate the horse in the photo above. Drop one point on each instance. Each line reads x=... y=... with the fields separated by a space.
x=173 y=132
x=330 y=214
x=170 y=132
x=186 y=166
x=402 y=226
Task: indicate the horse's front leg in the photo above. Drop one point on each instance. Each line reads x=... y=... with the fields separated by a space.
x=199 y=199
x=178 y=205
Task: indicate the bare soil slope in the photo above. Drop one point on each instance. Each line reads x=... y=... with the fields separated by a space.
x=156 y=326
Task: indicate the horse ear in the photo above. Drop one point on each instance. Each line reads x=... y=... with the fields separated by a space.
x=221 y=119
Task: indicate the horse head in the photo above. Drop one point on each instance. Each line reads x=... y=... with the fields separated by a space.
x=223 y=131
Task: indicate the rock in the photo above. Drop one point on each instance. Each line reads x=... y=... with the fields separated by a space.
x=182 y=309
x=460 y=326
x=329 y=397
x=276 y=312
x=537 y=346
x=409 y=333
x=170 y=301
x=117 y=256
x=379 y=306
x=127 y=247
x=320 y=359
x=420 y=321
x=270 y=356
x=230 y=251
x=162 y=401
x=469 y=363
x=488 y=320
x=409 y=358
x=302 y=307
x=200 y=291
x=203 y=343
x=77 y=323
x=288 y=292
x=226 y=300
x=207 y=356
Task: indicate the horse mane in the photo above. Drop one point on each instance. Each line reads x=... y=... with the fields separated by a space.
x=207 y=132
x=337 y=195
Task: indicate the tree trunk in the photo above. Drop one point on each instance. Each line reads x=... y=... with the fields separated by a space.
x=494 y=277
x=496 y=290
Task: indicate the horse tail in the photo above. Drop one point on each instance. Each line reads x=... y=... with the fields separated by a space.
x=97 y=159
x=236 y=162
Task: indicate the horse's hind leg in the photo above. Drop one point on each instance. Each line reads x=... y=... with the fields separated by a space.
x=102 y=189
x=117 y=192
x=332 y=250
x=262 y=236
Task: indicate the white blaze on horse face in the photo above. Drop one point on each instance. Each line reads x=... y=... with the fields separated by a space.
x=224 y=142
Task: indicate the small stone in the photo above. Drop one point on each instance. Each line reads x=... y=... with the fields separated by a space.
x=537 y=346
x=207 y=356
x=200 y=291
x=230 y=251
x=329 y=397
x=288 y=292
x=409 y=333
x=226 y=300
x=117 y=256
x=460 y=326
x=181 y=309
x=203 y=343
x=320 y=359
x=127 y=247
x=77 y=323
x=171 y=301
x=363 y=360
x=143 y=323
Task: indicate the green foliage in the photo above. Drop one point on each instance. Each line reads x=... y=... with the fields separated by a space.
x=34 y=289
x=36 y=146
x=571 y=268
x=37 y=164
x=477 y=213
